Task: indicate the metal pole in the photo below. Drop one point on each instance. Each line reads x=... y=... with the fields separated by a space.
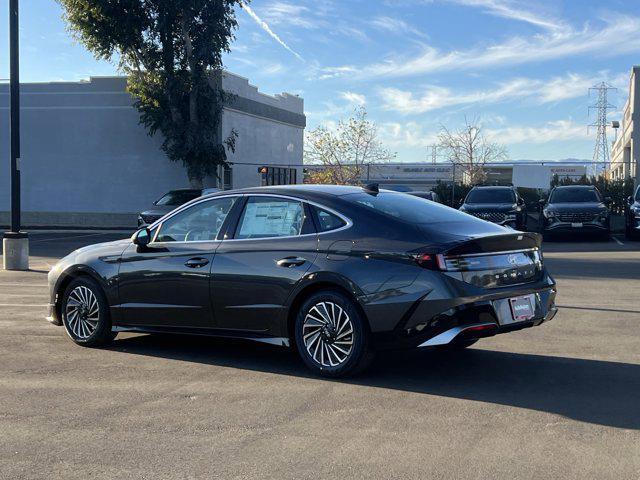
x=15 y=243
x=15 y=115
x=453 y=188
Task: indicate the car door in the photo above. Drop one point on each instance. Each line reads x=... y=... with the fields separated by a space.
x=166 y=283
x=260 y=261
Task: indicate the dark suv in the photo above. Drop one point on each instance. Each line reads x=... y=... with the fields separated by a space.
x=632 y=223
x=576 y=209
x=170 y=201
x=501 y=205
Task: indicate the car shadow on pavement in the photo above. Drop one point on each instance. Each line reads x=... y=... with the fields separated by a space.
x=599 y=392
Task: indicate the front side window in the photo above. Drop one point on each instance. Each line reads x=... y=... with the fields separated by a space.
x=574 y=195
x=491 y=195
x=267 y=217
x=201 y=222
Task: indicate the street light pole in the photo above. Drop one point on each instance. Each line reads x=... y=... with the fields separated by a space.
x=15 y=243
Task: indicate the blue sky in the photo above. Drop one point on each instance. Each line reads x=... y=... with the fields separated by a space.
x=522 y=67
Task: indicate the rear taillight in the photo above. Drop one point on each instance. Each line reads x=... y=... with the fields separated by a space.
x=431 y=261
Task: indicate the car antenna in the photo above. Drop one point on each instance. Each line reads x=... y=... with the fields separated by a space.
x=372 y=188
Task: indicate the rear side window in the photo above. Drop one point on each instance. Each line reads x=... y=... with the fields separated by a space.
x=270 y=217
x=327 y=221
x=407 y=207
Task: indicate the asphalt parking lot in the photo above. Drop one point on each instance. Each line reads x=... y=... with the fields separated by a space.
x=558 y=401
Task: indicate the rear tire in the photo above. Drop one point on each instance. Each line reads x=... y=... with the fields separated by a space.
x=85 y=313
x=331 y=335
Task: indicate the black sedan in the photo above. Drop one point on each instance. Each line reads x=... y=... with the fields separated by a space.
x=337 y=272
x=632 y=221
x=576 y=209
x=497 y=204
x=170 y=201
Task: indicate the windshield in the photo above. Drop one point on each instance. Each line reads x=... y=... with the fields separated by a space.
x=638 y=195
x=574 y=195
x=408 y=208
x=178 y=197
x=491 y=195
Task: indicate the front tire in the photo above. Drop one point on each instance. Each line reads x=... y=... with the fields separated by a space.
x=85 y=313
x=332 y=337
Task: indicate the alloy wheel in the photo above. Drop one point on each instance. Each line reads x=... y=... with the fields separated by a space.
x=328 y=334
x=82 y=311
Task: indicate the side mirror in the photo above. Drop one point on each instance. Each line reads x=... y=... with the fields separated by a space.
x=142 y=237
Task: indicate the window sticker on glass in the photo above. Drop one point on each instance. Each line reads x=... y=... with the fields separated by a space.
x=271 y=218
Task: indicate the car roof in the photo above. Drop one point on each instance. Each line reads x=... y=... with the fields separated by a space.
x=501 y=187
x=576 y=187
x=299 y=189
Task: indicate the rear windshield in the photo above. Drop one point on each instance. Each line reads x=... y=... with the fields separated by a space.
x=178 y=197
x=574 y=195
x=405 y=207
x=491 y=195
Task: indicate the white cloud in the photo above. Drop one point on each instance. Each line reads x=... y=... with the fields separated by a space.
x=536 y=91
x=514 y=11
x=396 y=26
x=270 y=32
x=354 y=98
x=603 y=41
x=553 y=131
x=409 y=135
x=283 y=13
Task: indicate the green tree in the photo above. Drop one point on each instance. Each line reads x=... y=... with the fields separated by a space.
x=344 y=152
x=171 y=51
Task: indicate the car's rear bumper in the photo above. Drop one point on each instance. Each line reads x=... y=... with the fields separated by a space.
x=431 y=322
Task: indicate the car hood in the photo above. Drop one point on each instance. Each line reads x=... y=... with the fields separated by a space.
x=158 y=210
x=586 y=207
x=475 y=236
x=106 y=251
x=488 y=207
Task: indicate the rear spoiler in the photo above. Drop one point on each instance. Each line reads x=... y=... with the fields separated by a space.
x=497 y=243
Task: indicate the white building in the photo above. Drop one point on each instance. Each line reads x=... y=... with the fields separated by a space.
x=86 y=160
x=625 y=154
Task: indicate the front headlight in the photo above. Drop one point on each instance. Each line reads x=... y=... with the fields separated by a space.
x=549 y=214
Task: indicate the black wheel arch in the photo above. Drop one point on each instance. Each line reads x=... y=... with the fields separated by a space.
x=68 y=276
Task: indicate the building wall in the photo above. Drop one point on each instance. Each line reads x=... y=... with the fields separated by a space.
x=625 y=154
x=86 y=161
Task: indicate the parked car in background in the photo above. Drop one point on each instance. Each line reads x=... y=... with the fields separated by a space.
x=433 y=196
x=632 y=217
x=170 y=201
x=576 y=209
x=497 y=204
x=337 y=271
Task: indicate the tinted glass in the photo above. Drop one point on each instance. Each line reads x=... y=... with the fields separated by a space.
x=200 y=222
x=178 y=197
x=574 y=195
x=407 y=207
x=328 y=221
x=491 y=195
x=266 y=217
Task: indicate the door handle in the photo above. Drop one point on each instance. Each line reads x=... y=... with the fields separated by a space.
x=291 y=262
x=196 y=262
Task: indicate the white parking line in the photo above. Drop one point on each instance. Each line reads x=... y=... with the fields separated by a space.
x=39 y=305
x=24 y=285
x=617 y=241
x=43 y=294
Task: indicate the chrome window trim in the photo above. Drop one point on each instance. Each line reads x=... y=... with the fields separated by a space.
x=158 y=223
x=348 y=222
